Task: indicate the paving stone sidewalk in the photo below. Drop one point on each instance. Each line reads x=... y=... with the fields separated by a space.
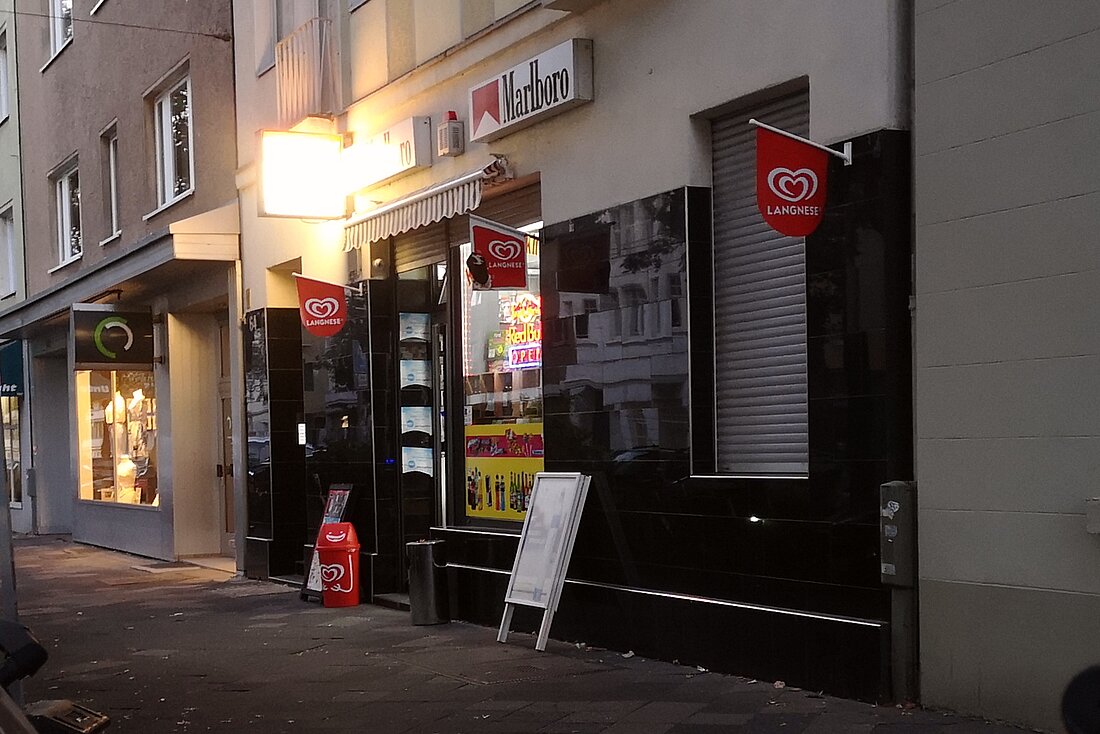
x=178 y=648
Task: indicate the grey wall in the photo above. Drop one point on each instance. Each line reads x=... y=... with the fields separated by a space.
x=1007 y=353
x=55 y=487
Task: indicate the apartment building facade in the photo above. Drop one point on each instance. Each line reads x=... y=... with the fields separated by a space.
x=12 y=284
x=130 y=260
x=736 y=452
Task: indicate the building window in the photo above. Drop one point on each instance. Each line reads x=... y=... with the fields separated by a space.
x=61 y=23
x=172 y=118
x=502 y=383
x=9 y=413
x=7 y=254
x=110 y=165
x=67 y=196
x=5 y=93
x=117 y=429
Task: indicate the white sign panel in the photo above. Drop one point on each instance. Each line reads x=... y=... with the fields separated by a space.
x=546 y=85
x=545 y=546
x=415 y=372
x=402 y=148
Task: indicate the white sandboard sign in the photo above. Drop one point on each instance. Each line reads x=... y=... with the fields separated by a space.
x=545 y=546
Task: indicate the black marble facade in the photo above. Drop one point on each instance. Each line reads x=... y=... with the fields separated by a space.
x=276 y=462
x=628 y=380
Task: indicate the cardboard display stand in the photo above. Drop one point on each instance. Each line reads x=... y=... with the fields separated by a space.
x=545 y=546
x=336 y=505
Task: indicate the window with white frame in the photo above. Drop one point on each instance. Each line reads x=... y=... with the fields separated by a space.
x=4 y=91
x=172 y=124
x=61 y=23
x=7 y=255
x=110 y=163
x=70 y=243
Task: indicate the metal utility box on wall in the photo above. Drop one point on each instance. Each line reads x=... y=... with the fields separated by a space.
x=898 y=533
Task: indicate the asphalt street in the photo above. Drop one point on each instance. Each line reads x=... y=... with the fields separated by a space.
x=179 y=648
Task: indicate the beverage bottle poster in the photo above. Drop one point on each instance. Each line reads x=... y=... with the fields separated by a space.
x=501 y=464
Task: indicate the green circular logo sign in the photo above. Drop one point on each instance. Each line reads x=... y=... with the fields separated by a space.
x=112 y=322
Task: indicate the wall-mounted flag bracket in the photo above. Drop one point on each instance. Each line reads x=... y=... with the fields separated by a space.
x=357 y=290
x=845 y=155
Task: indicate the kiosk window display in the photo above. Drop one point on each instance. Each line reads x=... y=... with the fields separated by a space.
x=502 y=411
x=117 y=424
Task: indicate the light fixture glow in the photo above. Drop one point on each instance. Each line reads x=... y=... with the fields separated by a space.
x=300 y=175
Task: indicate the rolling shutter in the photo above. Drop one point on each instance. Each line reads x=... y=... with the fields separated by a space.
x=760 y=308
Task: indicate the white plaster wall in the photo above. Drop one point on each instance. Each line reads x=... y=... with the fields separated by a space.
x=657 y=64
x=1007 y=356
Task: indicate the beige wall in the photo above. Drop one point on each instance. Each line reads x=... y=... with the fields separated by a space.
x=100 y=77
x=639 y=137
x=1007 y=353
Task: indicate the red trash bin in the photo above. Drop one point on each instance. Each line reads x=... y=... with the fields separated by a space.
x=338 y=553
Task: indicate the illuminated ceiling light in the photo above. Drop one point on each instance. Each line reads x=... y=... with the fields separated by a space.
x=300 y=175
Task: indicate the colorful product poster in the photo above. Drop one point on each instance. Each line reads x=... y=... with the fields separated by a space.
x=416 y=372
x=501 y=464
x=417 y=460
x=416 y=418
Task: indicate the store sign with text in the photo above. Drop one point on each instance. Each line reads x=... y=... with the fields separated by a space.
x=552 y=82
x=108 y=338
x=322 y=306
x=499 y=257
x=790 y=183
x=524 y=336
x=399 y=149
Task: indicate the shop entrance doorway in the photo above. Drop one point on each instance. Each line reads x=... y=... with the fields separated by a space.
x=225 y=468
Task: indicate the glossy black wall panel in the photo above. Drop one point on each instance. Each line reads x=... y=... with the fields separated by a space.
x=629 y=400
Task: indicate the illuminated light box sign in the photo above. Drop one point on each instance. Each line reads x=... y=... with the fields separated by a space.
x=523 y=339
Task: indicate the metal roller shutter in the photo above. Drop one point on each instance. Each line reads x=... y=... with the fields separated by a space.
x=760 y=308
x=419 y=247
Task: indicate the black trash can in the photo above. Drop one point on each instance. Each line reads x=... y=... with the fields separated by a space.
x=428 y=582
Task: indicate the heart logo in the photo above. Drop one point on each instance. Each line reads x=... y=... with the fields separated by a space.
x=321 y=308
x=332 y=573
x=792 y=186
x=504 y=250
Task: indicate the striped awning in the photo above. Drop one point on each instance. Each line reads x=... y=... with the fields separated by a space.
x=424 y=207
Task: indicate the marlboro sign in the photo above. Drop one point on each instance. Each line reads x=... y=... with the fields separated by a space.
x=499 y=257
x=545 y=85
x=790 y=183
x=322 y=306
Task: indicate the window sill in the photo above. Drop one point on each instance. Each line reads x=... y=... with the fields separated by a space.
x=56 y=53
x=65 y=264
x=97 y=6
x=112 y=503
x=113 y=238
x=6 y=296
x=168 y=204
x=15 y=505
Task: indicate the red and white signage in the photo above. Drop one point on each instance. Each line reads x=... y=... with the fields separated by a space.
x=499 y=257
x=322 y=306
x=790 y=183
x=551 y=82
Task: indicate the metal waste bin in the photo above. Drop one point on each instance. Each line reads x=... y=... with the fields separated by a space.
x=428 y=582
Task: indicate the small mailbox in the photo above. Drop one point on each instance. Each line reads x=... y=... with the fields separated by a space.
x=897 y=533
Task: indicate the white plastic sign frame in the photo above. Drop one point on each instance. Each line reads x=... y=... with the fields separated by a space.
x=545 y=546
